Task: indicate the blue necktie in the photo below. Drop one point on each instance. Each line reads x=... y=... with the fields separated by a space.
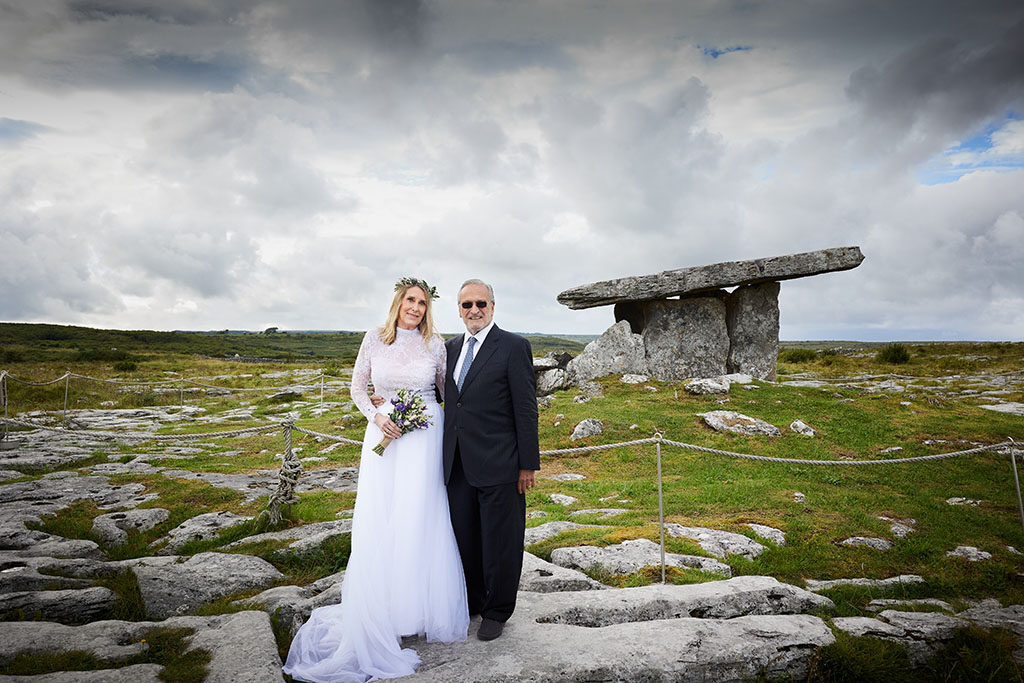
x=466 y=363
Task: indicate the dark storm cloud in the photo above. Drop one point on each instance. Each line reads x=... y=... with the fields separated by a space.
x=938 y=91
x=495 y=57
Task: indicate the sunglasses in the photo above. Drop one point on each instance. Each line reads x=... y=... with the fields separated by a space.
x=469 y=304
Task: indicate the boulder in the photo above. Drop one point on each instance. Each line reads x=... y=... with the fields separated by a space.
x=711 y=277
x=539 y=576
x=737 y=423
x=776 y=536
x=551 y=381
x=634 y=379
x=631 y=556
x=174 y=585
x=585 y=428
x=707 y=385
x=716 y=542
x=113 y=527
x=867 y=542
x=617 y=351
x=969 y=553
x=752 y=317
x=800 y=427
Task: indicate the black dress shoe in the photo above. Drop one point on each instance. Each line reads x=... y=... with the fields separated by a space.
x=490 y=629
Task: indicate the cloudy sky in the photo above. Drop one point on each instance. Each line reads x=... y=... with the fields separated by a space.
x=211 y=164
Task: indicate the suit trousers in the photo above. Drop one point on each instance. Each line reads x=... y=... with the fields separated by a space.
x=489 y=524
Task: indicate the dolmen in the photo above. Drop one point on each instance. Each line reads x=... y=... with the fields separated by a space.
x=683 y=323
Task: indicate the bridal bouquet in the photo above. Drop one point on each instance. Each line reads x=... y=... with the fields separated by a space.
x=409 y=413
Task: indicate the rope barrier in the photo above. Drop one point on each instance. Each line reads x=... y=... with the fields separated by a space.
x=37 y=384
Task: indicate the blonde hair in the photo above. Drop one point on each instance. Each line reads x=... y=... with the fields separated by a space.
x=389 y=332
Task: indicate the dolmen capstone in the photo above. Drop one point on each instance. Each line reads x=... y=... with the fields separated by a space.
x=683 y=323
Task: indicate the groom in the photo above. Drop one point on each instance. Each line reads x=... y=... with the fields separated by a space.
x=490 y=454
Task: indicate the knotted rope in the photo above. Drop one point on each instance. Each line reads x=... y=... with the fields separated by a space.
x=291 y=470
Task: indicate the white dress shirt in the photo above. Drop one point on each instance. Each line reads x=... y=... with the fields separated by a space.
x=480 y=336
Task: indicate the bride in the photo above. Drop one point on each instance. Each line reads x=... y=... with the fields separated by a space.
x=404 y=576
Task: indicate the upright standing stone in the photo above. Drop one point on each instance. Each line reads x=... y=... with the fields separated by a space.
x=686 y=337
x=752 y=316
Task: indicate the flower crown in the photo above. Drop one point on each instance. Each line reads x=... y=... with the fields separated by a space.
x=416 y=282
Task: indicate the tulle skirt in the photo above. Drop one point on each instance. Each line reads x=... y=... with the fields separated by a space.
x=404 y=576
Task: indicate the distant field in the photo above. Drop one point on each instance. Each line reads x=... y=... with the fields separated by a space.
x=42 y=343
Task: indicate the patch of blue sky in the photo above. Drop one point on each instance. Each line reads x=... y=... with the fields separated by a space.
x=716 y=52
x=14 y=130
x=993 y=149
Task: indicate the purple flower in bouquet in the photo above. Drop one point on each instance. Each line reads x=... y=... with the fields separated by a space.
x=410 y=412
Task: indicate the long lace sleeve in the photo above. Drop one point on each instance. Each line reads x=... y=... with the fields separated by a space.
x=441 y=369
x=361 y=377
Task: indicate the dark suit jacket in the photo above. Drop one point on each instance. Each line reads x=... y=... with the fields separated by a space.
x=494 y=418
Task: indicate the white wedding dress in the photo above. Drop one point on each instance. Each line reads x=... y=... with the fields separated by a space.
x=404 y=576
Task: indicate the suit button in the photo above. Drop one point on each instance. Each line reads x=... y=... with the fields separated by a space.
x=458 y=405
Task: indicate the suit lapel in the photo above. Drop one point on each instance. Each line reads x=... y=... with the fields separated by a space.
x=486 y=350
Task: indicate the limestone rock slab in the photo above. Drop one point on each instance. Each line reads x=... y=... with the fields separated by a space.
x=135 y=673
x=302 y=538
x=542 y=532
x=171 y=586
x=68 y=606
x=817 y=586
x=632 y=556
x=738 y=423
x=711 y=277
x=588 y=427
x=685 y=650
x=292 y=605
x=726 y=599
x=776 y=536
x=717 y=542
x=539 y=576
x=113 y=527
x=199 y=528
x=752 y=317
x=707 y=385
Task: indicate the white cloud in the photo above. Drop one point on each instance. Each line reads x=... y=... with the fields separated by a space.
x=236 y=164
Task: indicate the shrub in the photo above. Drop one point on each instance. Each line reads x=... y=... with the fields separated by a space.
x=895 y=354
x=797 y=355
x=11 y=356
x=125 y=366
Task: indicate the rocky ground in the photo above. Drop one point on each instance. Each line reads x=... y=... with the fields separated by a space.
x=56 y=597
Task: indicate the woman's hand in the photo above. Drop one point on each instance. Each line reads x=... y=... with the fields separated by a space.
x=387 y=426
x=377 y=400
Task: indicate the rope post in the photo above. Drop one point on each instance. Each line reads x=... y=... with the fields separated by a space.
x=661 y=508
x=321 y=392
x=67 y=389
x=3 y=399
x=1016 y=479
x=181 y=392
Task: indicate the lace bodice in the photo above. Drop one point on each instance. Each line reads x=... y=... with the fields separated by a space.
x=407 y=363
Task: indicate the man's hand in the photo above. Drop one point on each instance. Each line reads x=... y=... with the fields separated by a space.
x=376 y=400
x=527 y=480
